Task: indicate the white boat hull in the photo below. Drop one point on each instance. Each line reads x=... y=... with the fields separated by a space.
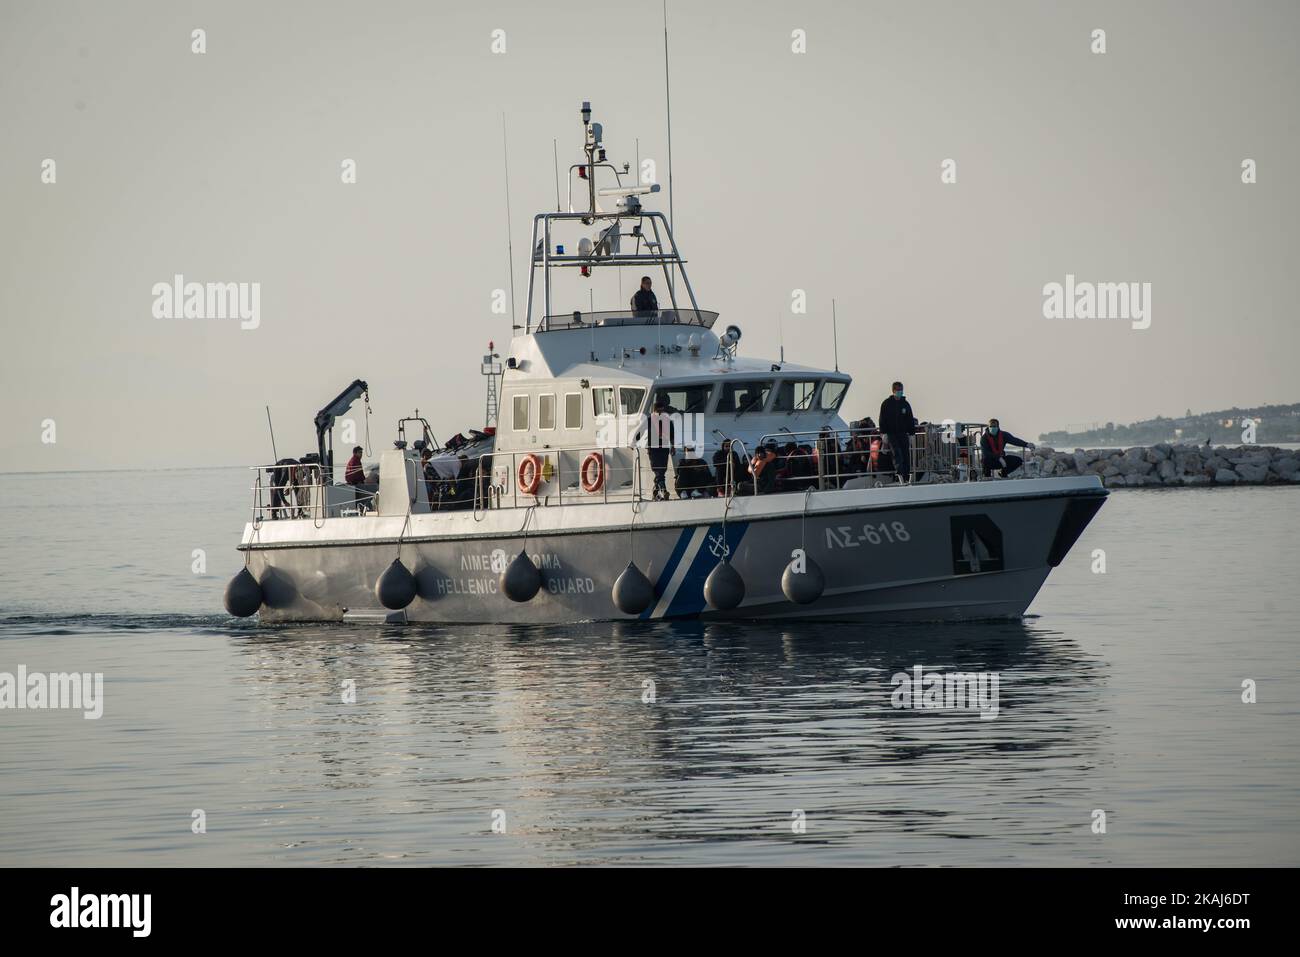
x=952 y=551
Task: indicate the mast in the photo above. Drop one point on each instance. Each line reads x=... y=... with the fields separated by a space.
x=553 y=245
x=491 y=368
x=668 y=102
x=510 y=249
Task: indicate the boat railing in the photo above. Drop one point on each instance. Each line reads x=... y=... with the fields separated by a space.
x=938 y=452
x=300 y=491
x=627 y=317
x=820 y=460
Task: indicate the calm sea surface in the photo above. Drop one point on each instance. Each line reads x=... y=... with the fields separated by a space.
x=1121 y=692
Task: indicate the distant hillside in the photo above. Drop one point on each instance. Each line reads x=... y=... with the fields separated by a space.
x=1273 y=424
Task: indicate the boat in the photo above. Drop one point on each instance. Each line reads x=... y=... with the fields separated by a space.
x=552 y=512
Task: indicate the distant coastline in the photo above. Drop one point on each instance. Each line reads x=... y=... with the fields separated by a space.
x=1272 y=424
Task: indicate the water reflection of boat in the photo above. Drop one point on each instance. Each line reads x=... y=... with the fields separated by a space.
x=742 y=723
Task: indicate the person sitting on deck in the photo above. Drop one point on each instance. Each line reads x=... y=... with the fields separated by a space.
x=827 y=458
x=857 y=457
x=694 y=480
x=797 y=468
x=644 y=302
x=993 y=446
x=762 y=471
x=728 y=469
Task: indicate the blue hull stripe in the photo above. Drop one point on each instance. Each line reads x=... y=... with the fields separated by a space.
x=689 y=600
x=667 y=574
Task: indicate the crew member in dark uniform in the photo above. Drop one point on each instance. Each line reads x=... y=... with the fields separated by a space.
x=644 y=301
x=898 y=423
x=660 y=445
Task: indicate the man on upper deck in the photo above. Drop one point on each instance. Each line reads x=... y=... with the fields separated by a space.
x=644 y=301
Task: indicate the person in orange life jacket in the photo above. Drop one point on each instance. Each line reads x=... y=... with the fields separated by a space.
x=660 y=446
x=797 y=472
x=898 y=424
x=993 y=445
x=857 y=458
x=762 y=470
x=644 y=300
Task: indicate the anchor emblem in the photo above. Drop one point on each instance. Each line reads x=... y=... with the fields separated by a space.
x=718 y=546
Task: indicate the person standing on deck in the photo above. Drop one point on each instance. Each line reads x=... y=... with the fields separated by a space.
x=898 y=424
x=644 y=301
x=354 y=474
x=660 y=446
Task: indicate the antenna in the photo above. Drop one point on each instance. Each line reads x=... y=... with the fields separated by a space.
x=780 y=335
x=510 y=249
x=555 y=154
x=835 y=335
x=274 y=455
x=668 y=100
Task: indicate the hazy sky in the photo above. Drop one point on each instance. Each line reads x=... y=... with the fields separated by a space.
x=817 y=171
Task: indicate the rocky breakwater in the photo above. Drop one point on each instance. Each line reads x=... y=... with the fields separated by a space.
x=1168 y=466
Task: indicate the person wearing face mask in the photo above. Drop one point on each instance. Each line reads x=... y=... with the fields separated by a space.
x=899 y=424
x=994 y=444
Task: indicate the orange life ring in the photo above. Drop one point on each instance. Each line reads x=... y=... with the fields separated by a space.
x=590 y=484
x=530 y=474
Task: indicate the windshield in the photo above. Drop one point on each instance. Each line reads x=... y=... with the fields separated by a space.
x=629 y=400
x=685 y=398
x=740 y=397
x=832 y=395
x=795 y=395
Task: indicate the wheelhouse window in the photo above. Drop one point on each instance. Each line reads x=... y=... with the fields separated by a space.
x=741 y=397
x=573 y=410
x=602 y=401
x=833 y=395
x=795 y=395
x=686 y=398
x=630 y=399
x=519 y=413
x=546 y=411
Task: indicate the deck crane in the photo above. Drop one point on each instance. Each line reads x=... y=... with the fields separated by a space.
x=325 y=424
